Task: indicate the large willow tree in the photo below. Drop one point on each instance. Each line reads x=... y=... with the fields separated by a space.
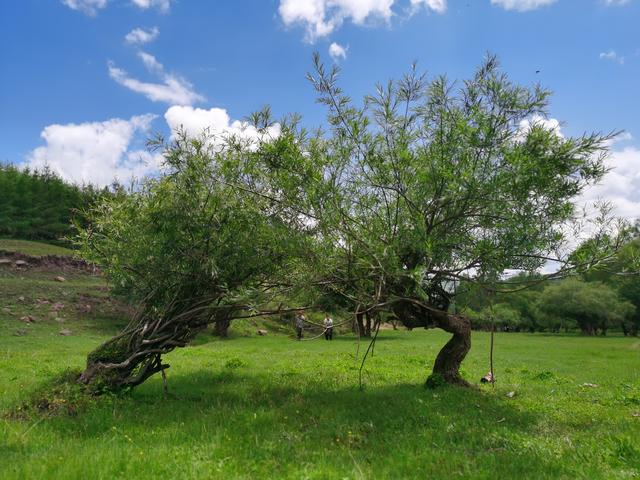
x=427 y=185
x=432 y=185
x=195 y=246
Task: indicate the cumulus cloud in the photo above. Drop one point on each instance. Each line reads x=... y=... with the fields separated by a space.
x=99 y=152
x=337 y=51
x=522 y=5
x=96 y=152
x=321 y=17
x=162 y=5
x=173 y=89
x=89 y=7
x=215 y=121
x=439 y=6
x=612 y=56
x=140 y=36
x=538 y=120
x=620 y=138
x=621 y=186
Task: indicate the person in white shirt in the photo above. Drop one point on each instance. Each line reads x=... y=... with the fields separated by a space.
x=328 y=327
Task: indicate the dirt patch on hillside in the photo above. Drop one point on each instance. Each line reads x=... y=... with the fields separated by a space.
x=16 y=260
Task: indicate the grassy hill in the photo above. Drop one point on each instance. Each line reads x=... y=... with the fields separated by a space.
x=271 y=407
x=33 y=249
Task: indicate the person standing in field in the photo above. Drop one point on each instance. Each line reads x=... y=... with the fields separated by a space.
x=328 y=327
x=299 y=324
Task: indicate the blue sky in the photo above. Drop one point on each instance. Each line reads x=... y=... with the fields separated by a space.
x=84 y=82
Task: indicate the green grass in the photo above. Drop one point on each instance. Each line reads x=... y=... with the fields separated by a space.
x=33 y=249
x=270 y=407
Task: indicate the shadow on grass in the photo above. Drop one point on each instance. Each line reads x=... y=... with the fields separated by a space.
x=292 y=412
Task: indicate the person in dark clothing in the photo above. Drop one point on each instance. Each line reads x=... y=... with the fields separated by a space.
x=300 y=325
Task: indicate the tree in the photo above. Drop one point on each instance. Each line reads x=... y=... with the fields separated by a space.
x=591 y=307
x=430 y=184
x=628 y=284
x=620 y=274
x=475 y=301
x=424 y=188
x=190 y=247
x=39 y=205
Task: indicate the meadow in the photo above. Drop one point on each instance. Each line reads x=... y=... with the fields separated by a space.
x=254 y=406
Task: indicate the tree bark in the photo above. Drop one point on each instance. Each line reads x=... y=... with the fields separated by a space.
x=361 y=330
x=120 y=363
x=221 y=328
x=446 y=368
x=449 y=359
x=134 y=355
x=367 y=326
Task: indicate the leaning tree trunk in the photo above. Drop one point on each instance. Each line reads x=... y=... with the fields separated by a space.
x=447 y=364
x=446 y=368
x=132 y=356
x=121 y=362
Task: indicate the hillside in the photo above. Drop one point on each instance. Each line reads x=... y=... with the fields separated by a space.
x=33 y=249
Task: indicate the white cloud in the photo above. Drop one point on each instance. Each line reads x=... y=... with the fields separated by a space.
x=173 y=90
x=140 y=36
x=96 y=152
x=612 y=56
x=99 y=152
x=162 y=5
x=538 y=120
x=522 y=5
x=152 y=64
x=337 y=51
x=439 y=6
x=216 y=121
x=321 y=17
x=89 y=7
x=621 y=186
x=621 y=137
x=616 y=3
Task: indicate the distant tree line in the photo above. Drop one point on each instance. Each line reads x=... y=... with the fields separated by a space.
x=39 y=205
x=592 y=303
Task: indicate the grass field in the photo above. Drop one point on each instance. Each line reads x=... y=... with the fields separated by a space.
x=270 y=407
x=34 y=249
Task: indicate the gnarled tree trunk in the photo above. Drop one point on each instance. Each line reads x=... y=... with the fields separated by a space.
x=446 y=367
x=447 y=364
x=117 y=364
x=132 y=356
